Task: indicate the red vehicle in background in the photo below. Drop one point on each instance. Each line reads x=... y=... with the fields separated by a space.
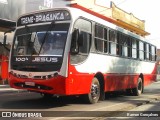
x=4 y=61
x=4 y=67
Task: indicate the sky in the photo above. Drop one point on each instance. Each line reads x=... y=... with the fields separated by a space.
x=147 y=10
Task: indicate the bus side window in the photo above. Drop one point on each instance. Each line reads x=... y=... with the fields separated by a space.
x=100 y=42
x=83 y=41
x=112 y=42
x=141 y=50
x=147 y=51
x=153 y=53
x=125 y=46
x=134 y=49
x=129 y=46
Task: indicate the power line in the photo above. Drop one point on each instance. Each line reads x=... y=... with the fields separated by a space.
x=116 y=5
x=121 y=2
x=153 y=38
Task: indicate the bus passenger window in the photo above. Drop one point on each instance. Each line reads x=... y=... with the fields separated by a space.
x=141 y=50
x=147 y=51
x=101 y=42
x=113 y=48
x=105 y=46
x=153 y=52
x=134 y=48
x=99 y=45
x=112 y=42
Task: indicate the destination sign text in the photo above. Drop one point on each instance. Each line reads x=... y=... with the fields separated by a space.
x=48 y=16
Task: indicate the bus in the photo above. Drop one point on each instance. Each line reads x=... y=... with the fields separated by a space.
x=66 y=51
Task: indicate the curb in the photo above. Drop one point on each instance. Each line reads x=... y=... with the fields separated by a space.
x=11 y=91
x=5 y=86
x=8 y=89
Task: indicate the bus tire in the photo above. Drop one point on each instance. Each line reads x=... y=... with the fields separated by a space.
x=94 y=94
x=139 y=89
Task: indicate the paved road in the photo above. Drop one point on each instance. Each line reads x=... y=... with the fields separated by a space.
x=73 y=106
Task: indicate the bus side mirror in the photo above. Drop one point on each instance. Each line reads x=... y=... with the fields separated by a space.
x=74 y=42
x=81 y=38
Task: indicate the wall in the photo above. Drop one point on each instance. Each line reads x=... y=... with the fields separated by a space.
x=14 y=8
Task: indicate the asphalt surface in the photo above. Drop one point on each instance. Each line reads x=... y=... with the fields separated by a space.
x=8 y=89
x=113 y=106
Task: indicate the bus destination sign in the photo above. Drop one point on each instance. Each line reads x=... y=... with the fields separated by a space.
x=49 y=16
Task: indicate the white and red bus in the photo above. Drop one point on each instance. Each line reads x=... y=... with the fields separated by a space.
x=66 y=51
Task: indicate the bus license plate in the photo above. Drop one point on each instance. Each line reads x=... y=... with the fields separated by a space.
x=30 y=83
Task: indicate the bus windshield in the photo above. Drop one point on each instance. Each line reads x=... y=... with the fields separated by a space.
x=40 y=43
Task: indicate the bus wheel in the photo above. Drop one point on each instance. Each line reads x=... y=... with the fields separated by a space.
x=94 y=94
x=46 y=96
x=138 y=90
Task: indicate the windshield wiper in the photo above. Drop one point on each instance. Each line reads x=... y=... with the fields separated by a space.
x=34 y=39
x=29 y=32
x=46 y=35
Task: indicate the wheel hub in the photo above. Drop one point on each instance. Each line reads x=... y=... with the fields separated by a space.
x=94 y=91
